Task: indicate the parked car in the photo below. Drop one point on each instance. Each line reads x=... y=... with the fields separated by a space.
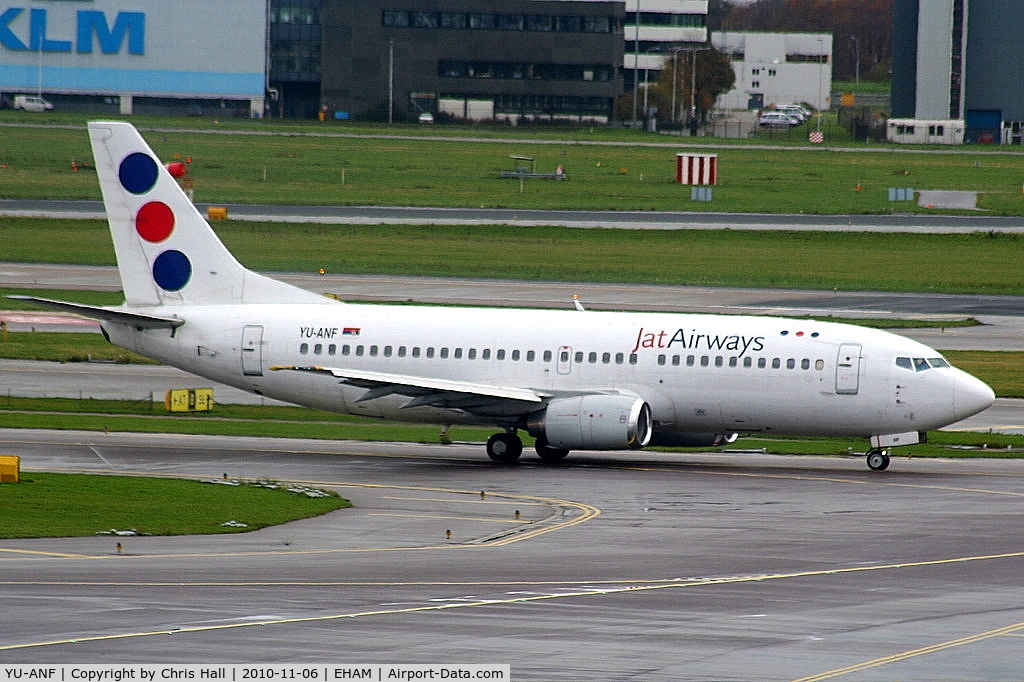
x=426 y=117
x=777 y=119
x=794 y=110
x=31 y=103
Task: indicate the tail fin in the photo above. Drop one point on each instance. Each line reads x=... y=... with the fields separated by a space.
x=167 y=254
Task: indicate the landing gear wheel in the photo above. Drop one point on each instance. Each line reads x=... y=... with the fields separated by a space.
x=548 y=453
x=504 y=447
x=878 y=460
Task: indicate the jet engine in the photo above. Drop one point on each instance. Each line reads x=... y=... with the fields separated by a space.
x=593 y=422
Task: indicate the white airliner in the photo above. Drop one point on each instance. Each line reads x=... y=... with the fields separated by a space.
x=572 y=379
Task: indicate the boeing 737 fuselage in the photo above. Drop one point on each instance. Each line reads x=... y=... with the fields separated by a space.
x=572 y=379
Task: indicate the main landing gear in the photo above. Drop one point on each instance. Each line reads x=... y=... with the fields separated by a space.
x=878 y=459
x=506 y=447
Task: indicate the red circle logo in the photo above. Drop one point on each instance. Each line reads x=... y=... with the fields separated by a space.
x=155 y=221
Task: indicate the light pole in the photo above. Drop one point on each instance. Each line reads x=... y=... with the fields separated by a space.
x=391 y=82
x=856 y=61
x=675 y=80
x=821 y=67
x=636 y=63
x=693 y=78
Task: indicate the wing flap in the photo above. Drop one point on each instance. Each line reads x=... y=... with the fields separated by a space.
x=430 y=391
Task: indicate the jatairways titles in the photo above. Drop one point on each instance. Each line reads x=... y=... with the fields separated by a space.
x=693 y=340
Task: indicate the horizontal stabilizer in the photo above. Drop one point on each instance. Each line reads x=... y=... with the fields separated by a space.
x=108 y=314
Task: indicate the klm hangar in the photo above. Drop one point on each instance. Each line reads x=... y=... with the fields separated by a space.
x=98 y=56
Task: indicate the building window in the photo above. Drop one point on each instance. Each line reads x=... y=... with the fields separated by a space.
x=395 y=19
x=540 y=23
x=424 y=19
x=510 y=22
x=454 y=20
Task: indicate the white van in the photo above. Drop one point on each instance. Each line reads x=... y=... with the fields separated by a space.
x=31 y=103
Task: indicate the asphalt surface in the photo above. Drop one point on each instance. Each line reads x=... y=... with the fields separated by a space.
x=639 y=220
x=623 y=566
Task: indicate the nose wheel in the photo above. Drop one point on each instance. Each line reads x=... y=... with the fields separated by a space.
x=878 y=459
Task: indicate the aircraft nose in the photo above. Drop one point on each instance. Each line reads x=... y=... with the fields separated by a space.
x=971 y=395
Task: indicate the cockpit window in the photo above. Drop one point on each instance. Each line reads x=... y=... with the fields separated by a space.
x=920 y=364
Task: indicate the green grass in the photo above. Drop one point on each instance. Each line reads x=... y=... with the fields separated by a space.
x=66 y=347
x=296 y=422
x=864 y=87
x=452 y=171
x=65 y=505
x=89 y=297
x=146 y=415
x=1003 y=371
x=977 y=263
x=949 y=444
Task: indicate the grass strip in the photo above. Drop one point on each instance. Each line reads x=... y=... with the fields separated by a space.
x=198 y=425
x=975 y=263
x=66 y=347
x=948 y=444
x=65 y=505
x=299 y=422
x=636 y=173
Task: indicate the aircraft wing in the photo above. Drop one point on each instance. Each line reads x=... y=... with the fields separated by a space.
x=110 y=314
x=434 y=392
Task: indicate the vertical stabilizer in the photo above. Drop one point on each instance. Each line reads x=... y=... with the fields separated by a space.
x=167 y=254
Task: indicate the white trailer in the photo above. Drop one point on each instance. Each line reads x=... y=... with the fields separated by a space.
x=921 y=131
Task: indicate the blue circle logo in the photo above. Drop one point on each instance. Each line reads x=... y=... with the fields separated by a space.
x=172 y=270
x=138 y=173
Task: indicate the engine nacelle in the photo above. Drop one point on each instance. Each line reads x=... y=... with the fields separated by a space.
x=693 y=440
x=594 y=422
